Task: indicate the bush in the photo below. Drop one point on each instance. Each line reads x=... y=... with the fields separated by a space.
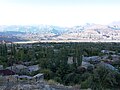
x=85 y=85
x=47 y=73
x=52 y=82
x=57 y=79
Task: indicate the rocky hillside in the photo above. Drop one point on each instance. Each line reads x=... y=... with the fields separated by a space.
x=33 y=85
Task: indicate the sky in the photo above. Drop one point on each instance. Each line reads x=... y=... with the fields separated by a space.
x=58 y=12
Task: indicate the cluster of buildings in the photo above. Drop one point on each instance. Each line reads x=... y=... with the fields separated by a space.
x=21 y=71
x=108 y=59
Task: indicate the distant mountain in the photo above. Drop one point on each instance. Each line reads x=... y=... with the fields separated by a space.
x=11 y=39
x=9 y=33
x=33 y=29
x=47 y=32
x=115 y=25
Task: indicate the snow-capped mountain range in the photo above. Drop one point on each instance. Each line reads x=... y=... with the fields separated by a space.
x=47 y=32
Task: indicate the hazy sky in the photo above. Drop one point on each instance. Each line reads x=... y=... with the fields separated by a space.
x=58 y=12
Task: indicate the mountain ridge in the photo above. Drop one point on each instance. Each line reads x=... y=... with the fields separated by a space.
x=49 y=32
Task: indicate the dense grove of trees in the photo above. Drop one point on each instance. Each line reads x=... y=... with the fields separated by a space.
x=53 y=60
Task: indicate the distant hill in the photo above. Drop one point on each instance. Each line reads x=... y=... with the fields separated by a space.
x=10 y=39
x=47 y=32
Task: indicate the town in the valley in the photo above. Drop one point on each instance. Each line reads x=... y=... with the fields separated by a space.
x=59 y=66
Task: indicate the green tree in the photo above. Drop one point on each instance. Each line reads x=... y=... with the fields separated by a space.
x=102 y=78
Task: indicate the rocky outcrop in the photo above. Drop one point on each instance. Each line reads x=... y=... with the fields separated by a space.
x=40 y=85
